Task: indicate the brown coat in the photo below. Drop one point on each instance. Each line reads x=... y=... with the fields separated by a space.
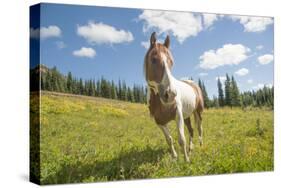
x=163 y=114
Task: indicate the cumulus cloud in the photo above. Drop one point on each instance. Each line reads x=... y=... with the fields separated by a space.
x=265 y=59
x=203 y=74
x=209 y=19
x=45 y=32
x=259 y=47
x=60 y=44
x=145 y=44
x=181 y=24
x=250 y=81
x=100 y=33
x=85 y=52
x=253 y=24
x=242 y=72
x=222 y=78
x=229 y=54
x=260 y=86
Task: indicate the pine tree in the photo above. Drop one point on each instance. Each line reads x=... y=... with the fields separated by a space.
x=113 y=91
x=81 y=87
x=130 y=95
x=205 y=96
x=94 y=88
x=69 y=82
x=124 y=95
x=204 y=93
x=48 y=81
x=119 y=93
x=91 y=88
x=220 y=93
x=98 y=90
x=227 y=90
x=235 y=94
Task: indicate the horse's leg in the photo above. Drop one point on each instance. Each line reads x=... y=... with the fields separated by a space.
x=190 y=130
x=181 y=136
x=198 y=121
x=169 y=139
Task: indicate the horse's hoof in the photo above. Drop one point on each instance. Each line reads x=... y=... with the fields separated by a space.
x=201 y=141
x=191 y=147
x=187 y=159
x=175 y=156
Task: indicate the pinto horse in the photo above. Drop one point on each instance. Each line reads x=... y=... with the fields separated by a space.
x=171 y=99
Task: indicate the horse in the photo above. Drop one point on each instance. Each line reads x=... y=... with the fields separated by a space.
x=171 y=99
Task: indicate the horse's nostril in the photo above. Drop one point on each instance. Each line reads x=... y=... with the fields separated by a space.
x=166 y=95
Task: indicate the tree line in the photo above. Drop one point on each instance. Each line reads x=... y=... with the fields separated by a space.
x=53 y=80
x=228 y=92
x=232 y=97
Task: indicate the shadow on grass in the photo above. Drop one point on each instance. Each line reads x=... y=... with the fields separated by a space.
x=126 y=166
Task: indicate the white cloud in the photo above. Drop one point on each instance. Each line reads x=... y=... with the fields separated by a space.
x=203 y=74
x=229 y=54
x=242 y=72
x=181 y=24
x=265 y=59
x=253 y=24
x=269 y=85
x=222 y=78
x=100 y=33
x=145 y=44
x=259 y=47
x=60 y=44
x=209 y=19
x=45 y=32
x=250 y=81
x=260 y=86
x=85 y=52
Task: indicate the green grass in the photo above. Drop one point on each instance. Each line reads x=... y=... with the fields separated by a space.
x=86 y=139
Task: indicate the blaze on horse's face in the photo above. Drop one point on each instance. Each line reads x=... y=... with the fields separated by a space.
x=155 y=70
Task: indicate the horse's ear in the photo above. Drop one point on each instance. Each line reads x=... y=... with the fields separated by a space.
x=167 y=41
x=153 y=39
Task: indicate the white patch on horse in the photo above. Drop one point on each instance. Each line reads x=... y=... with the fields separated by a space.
x=185 y=94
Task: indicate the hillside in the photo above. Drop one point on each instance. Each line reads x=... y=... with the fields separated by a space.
x=86 y=139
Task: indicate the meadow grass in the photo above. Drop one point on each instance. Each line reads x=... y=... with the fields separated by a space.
x=86 y=139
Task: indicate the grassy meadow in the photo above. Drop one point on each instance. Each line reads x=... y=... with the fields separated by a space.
x=86 y=139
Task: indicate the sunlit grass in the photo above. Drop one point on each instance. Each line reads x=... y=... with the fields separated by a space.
x=86 y=139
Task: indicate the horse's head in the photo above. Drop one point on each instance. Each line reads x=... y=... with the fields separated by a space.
x=157 y=64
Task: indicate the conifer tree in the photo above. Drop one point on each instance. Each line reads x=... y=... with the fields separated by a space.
x=98 y=90
x=227 y=90
x=113 y=90
x=220 y=93
x=69 y=82
x=235 y=95
x=204 y=93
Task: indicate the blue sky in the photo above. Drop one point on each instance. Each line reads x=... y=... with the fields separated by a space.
x=111 y=42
